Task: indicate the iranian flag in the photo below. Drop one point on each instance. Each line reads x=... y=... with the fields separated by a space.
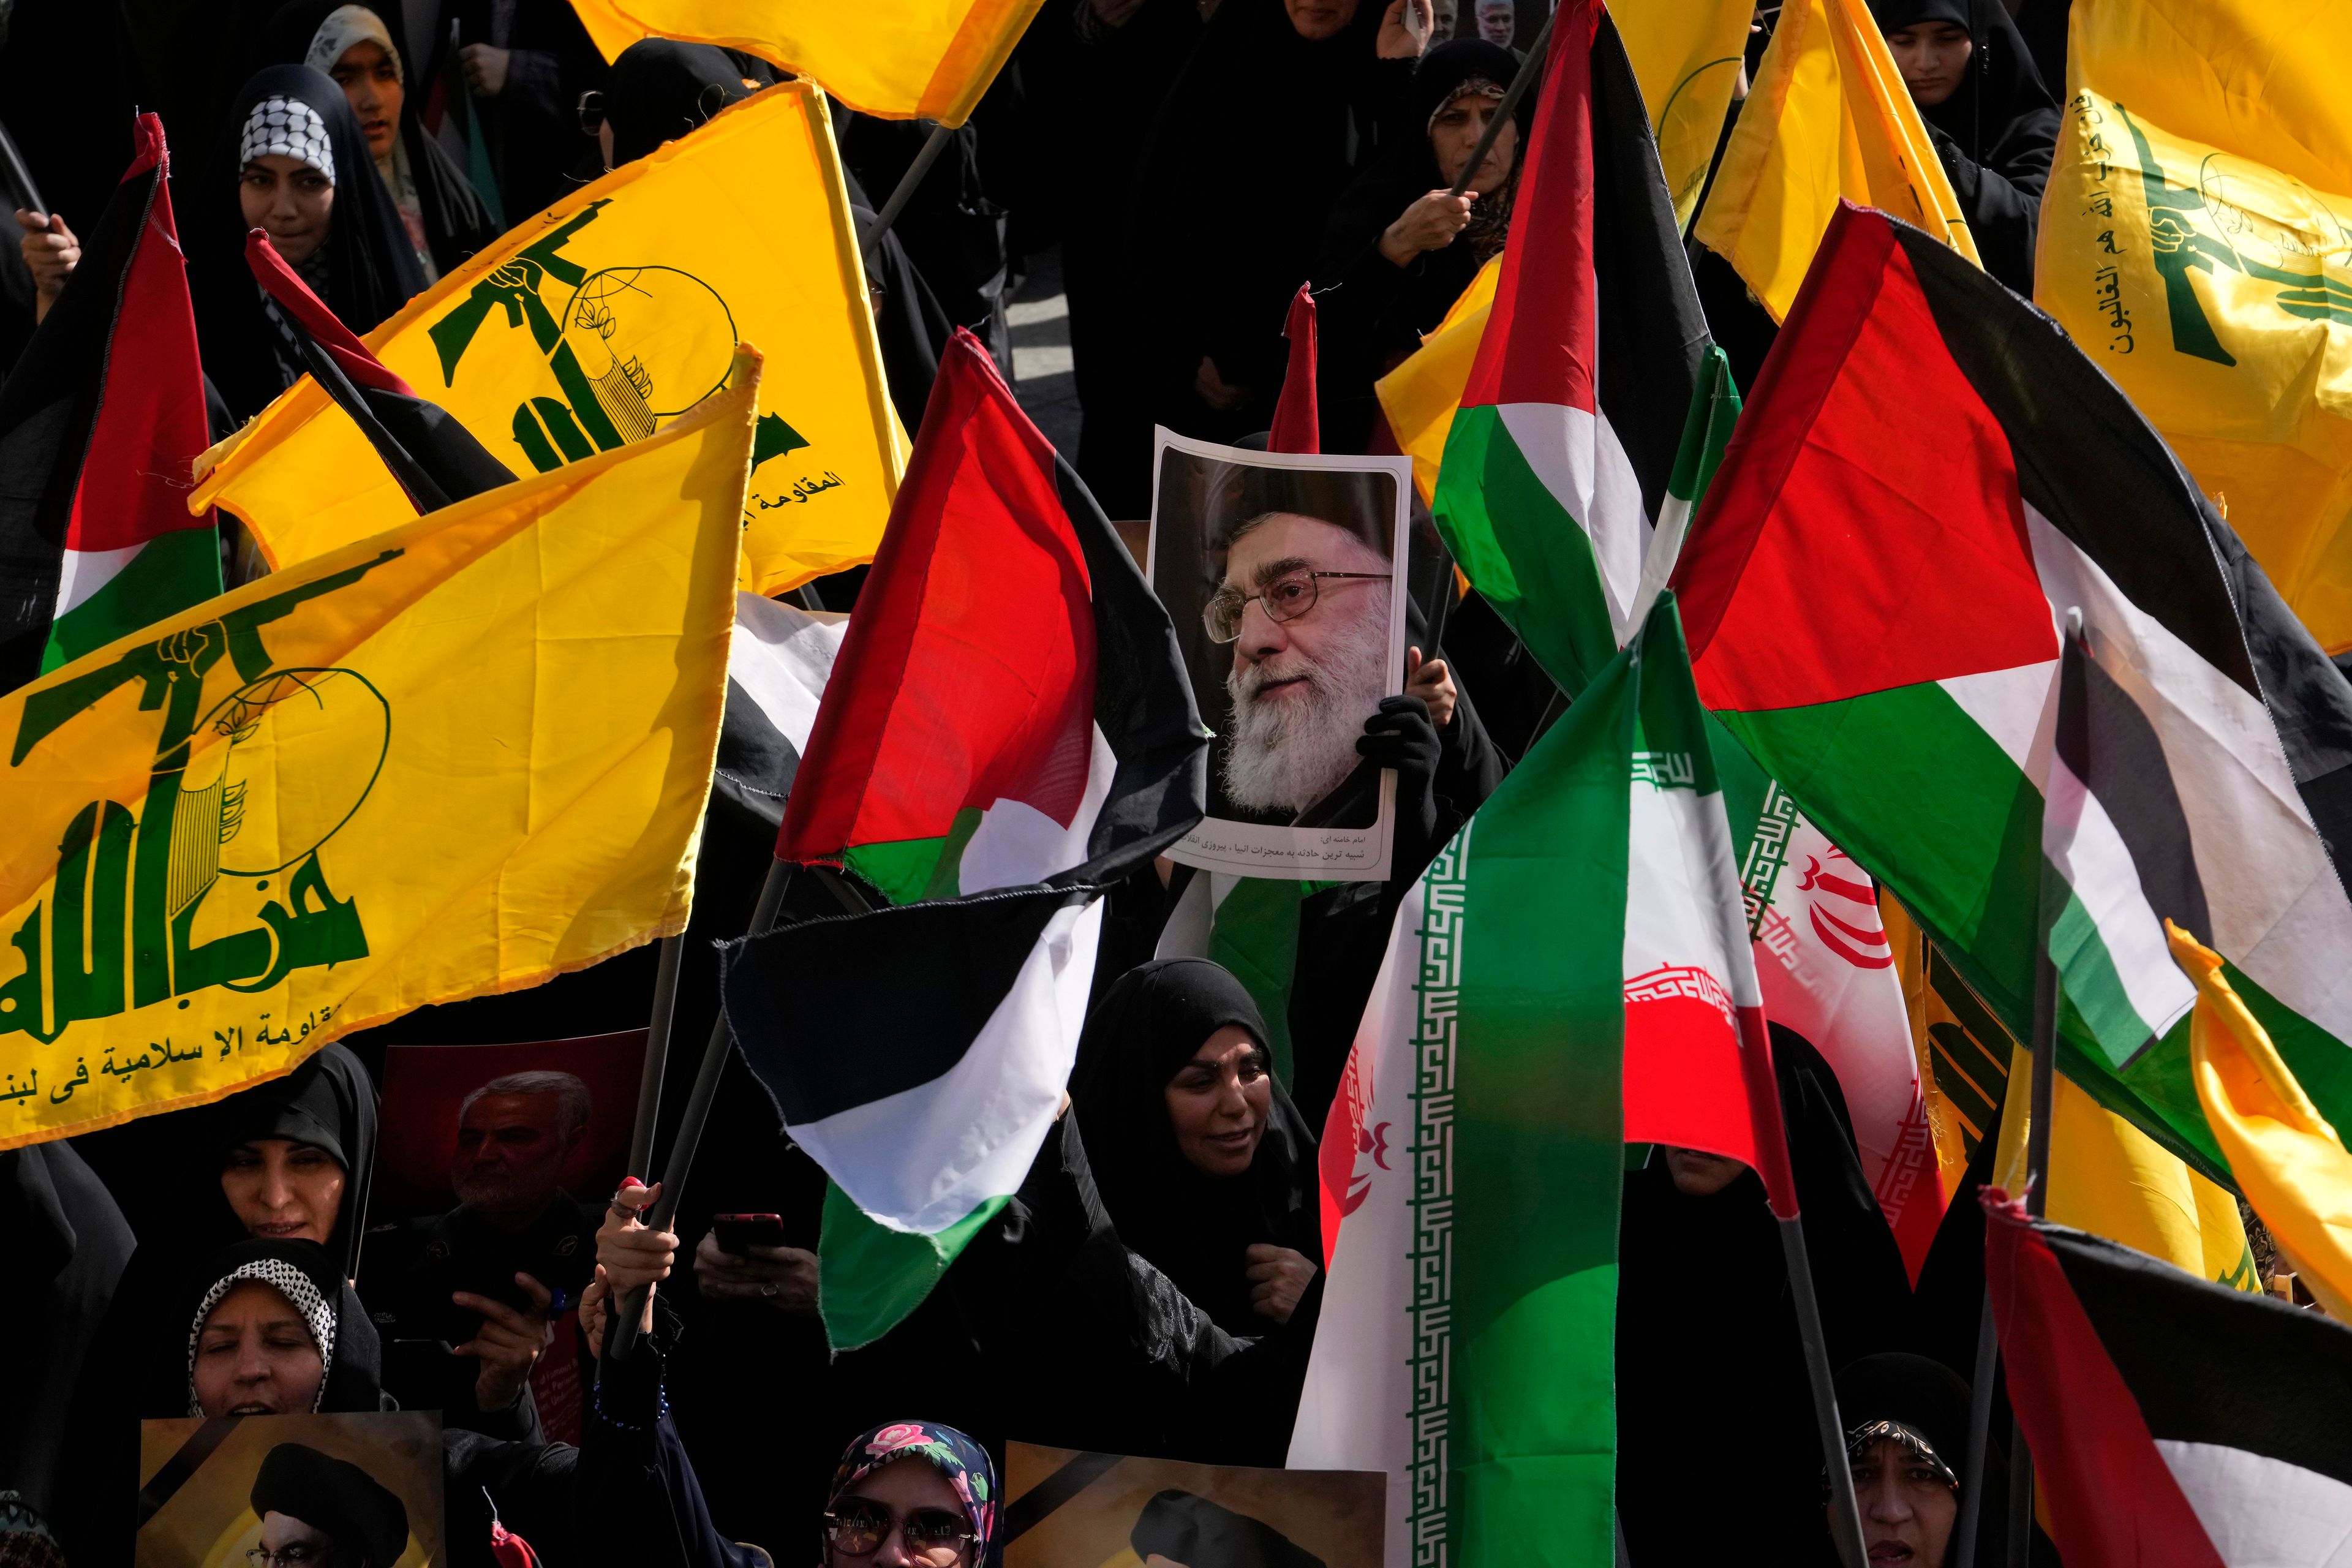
x=101 y=423
x=1572 y=974
x=1559 y=461
x=1928 y=478
x=1006 y=729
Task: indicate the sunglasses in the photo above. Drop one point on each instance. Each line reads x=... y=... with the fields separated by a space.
x=857 y=1527
x=1285 y=598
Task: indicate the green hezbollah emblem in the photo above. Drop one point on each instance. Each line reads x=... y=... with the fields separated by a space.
x=149 y=873
x=2189 y=232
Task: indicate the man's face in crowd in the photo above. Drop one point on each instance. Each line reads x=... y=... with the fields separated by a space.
x=1302 y=688
x=254 y=1356
x=1319 y=20
x=511 y=1151
x=1907 y=1508
x=290 y=1541
x=1497 y=19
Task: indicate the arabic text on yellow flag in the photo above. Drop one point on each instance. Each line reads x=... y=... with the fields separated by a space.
x=463 y=756
x=928 y=59
x=616 y=311
x=2111 y=1179
x=2194 y=240
x=2289 y=1162
x=1687 y=55
x=1828 y=118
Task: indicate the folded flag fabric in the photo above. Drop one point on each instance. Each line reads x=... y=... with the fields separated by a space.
x=1688 y=58
x=615 y=313
x=1557 y=465
x=1828 y=121
x=2191 y=240
x=2173 y=1422
x=2289 y=1162
x=929 y=60
x=1573 y=972
x=462 y=757
x=1007 y=729
x=1421 y=395
x=99 y=419
x=1937 y=447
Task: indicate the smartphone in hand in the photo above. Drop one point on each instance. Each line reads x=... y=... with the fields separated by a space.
x=739 y=1233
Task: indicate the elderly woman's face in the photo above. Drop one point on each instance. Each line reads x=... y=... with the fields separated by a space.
x=254 y=1356
x=1453 y=135
x=1907 y=1508
x=1218 y=1101
x=289 y=201
x=283 y=1190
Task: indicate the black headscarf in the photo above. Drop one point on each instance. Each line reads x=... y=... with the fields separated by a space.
x=456 y=224
x=369 y=269
x=306 y=1276
x=661 y=89
x=1923 y=1403
x=1194 y=1227
x=328 y=1102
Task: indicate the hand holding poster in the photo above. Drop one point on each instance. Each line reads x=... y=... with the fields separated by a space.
x=1283 y=576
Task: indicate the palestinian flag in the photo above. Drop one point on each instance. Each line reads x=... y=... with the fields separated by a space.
x=434 y=459
x=1007 y=729
x=1928 y=476
x=2174 y=1423
x=101 y=423
x=1559 y=459
x=1572 y=974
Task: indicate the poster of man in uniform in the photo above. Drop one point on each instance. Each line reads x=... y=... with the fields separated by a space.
x=1284 y=575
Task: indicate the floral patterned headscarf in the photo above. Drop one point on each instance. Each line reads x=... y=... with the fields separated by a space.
x=964 y=1462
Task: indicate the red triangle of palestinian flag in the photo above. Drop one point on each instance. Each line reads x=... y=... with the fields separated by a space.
x=101 y=423
x=2174 y=1423
x=1009 y=705
x=1928 y=476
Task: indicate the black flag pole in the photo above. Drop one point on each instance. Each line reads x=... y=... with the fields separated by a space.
x=649 y=1080
x=933 y=145
x=1529 y=68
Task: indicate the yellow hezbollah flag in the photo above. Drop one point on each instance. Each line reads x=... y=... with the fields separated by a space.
x=463 y=756
x=1828 y=118
x=617 y=309
x=2194 y=240
x=1687 y=55
x=927 y=59
x=2289 y=1162
x=2111 y=1179
x=1421 y=394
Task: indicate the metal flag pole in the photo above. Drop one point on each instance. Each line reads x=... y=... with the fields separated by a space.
x=621 y=1329
x=933 y=145
x=2037 y=1132
x=1511 y=96
x=1964 y=1550
x=649 y=1081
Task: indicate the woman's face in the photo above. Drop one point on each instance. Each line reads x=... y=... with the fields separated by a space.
x=1933 y=57
x=1454 y=136
x=1217 y=1103
x=900 y=1487
x=282 y=1190
x=1907 y=1508
x=370 y=80
x=289 y=200
x=1318 y=19
x=254 y=1356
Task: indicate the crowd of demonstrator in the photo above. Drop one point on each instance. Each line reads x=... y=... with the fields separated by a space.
x=1155 y=1287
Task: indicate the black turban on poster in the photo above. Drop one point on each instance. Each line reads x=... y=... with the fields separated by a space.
x=335 y=1498
x=1183 y=1528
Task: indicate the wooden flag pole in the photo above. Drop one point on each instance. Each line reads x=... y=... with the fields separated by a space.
x=1511 y=96
x=621 y=1327
x=933 y=145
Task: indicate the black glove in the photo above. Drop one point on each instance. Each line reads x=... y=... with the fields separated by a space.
x=1400 y=736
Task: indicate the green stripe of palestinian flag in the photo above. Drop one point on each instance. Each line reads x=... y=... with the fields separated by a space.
x=1965 y=478
x=1561 y=457
x=104 y=595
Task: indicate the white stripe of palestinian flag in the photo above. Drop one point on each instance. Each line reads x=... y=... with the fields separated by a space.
x=1578 y=458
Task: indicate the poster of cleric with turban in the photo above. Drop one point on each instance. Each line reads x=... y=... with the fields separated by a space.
x=1063 y=1506
x=291 y=1491
x=1282 y=571
x=491 y=1177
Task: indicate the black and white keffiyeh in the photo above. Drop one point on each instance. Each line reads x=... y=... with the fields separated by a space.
x=291 y=129
x=287 y=1282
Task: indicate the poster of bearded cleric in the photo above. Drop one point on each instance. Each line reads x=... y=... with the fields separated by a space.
x=1282 y=571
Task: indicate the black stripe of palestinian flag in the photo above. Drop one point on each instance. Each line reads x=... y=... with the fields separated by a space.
x=1937 y=449
x=2174 y=1423
x=1008 y=728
